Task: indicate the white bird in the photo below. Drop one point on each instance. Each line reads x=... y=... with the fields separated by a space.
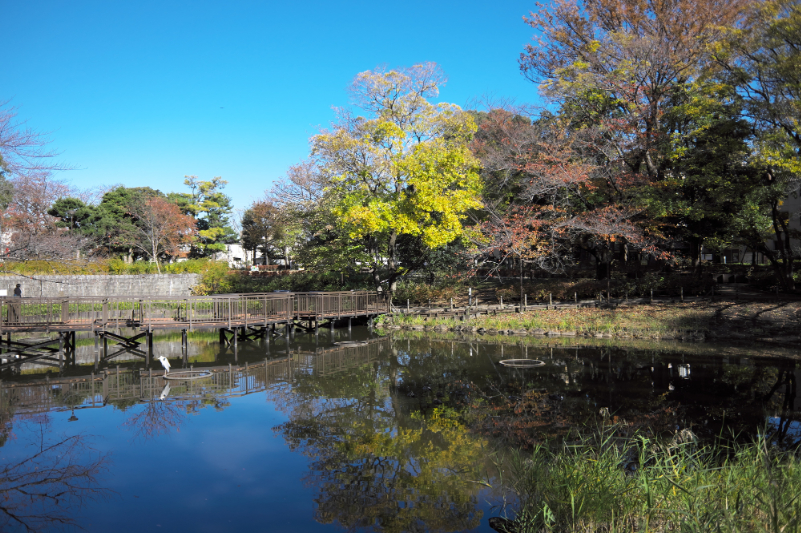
x=165 y=391
x=165 y=363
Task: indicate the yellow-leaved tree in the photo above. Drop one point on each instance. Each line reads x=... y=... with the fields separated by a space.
x=403 y=177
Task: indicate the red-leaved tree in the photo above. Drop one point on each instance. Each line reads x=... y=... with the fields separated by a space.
x=553 y=191
x=159 y=228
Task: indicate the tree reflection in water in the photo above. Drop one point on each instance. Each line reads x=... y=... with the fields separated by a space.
x=156 y=418
x=59 y=476
x=376 y=467
x=159 y=416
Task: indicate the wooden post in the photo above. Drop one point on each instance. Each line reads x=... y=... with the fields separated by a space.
x=451 y=304
x=525 y=301
x=501 y=302
x=681 y=289
x=550 y=299
x=651 y=300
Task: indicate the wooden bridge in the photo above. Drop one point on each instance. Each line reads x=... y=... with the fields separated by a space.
x=237 y=316
x=164 y=312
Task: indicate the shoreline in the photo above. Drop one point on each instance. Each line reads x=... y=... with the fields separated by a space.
x=771 y=322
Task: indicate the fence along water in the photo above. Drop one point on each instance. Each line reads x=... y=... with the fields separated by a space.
x=165 y=312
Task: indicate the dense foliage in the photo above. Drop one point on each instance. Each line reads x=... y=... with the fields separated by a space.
x=672 y=131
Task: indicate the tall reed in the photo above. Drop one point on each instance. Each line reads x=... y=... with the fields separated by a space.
x=601 y=484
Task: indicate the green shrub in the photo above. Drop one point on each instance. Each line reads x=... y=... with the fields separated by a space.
x=104 y=266
x=565 y=289
x=421 y=293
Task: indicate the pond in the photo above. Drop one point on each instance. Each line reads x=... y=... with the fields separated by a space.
x=389 y=433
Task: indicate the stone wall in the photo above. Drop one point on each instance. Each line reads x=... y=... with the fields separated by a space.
x=107 y=285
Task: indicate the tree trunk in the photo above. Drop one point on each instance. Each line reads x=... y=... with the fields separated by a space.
x=392 y=263
x=695 y=254
x=156 y=258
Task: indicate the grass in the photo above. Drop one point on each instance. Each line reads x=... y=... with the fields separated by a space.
x=644 y=484
x=652 y=319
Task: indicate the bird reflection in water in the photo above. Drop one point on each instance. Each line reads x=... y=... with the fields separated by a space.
x=165 y=391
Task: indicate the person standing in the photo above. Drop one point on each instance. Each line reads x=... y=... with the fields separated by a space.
x=15 y=309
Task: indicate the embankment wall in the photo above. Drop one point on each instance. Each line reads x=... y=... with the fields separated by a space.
x=104 y=285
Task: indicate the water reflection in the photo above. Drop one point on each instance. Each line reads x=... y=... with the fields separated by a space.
x=52 y=477
x=656 y=390
x=155 y=419
x=397 y=434
x=371 y=464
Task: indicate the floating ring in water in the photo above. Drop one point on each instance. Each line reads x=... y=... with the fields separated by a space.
x=351 y=343
x=522 y=363
x=186 y=375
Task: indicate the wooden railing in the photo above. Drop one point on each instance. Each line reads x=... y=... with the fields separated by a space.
x=222 y=310
x=338 y=304
x=81 y=313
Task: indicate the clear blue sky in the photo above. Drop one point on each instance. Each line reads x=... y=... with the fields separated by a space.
x=140 y=93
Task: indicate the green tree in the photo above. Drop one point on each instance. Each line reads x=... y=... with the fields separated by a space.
x=74 y=214
x=113 y=218
x=211 y=208
x=404 y=169
x=306 y=202
x=670 y=137
x=761 y=59
x=712 y=174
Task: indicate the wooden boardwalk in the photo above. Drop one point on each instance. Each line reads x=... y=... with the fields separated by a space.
x=228 y=311
x=236 y=316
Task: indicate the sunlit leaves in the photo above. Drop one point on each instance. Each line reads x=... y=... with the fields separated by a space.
x=404 y=170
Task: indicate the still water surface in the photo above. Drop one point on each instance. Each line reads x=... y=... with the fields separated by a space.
x=361 y=438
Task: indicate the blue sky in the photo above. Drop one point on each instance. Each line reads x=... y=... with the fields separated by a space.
x=142 y=93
